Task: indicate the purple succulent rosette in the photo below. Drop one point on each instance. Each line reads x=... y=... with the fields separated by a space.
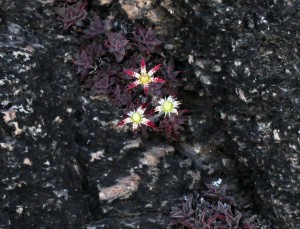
x=117 y=44
x=72 y=14
x=209 y=212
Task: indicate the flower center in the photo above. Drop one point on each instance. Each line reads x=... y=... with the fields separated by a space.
x=167 y=106
x=136 y=118
x=144 y=79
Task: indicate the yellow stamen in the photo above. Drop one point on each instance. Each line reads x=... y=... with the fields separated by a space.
x=167 y=106
x=144 y=79
x=136 y=118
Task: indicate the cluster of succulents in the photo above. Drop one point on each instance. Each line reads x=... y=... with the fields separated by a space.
x=112 y=64
x=214 y=210
x=72 y=14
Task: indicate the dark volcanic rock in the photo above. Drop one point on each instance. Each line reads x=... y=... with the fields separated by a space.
x=246 y=54
x=63 y=162
x=41 y=176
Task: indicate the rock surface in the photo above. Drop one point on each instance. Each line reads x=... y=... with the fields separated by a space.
x=65 y=165
x=246 y=54
x=63 y=162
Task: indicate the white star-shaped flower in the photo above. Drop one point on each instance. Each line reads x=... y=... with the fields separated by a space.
x=136 y=117
x=168 y=106
x=145 y=78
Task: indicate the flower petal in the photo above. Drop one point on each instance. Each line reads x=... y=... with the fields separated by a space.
x=158 y=109
x=123 y=122
x=153 y=70
x=141 y=110
x=161 y=101
x=146 y=89
x=175 y=111
x=149 y=123
x=143 y=66
x=132 y=73
x=133 y=85
x=134 y=126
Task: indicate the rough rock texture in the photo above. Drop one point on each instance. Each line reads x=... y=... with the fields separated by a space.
x=41 y=176
x=246 y=54
x=65 y=165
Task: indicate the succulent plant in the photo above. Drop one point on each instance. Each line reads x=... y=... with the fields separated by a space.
x=96 y=28
x=173 y=124
x=86 y=59
x=199 y=213
x=147 y=41
x=72 y=14
x=117 y=44
x=110 y=60
x=103 y=83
